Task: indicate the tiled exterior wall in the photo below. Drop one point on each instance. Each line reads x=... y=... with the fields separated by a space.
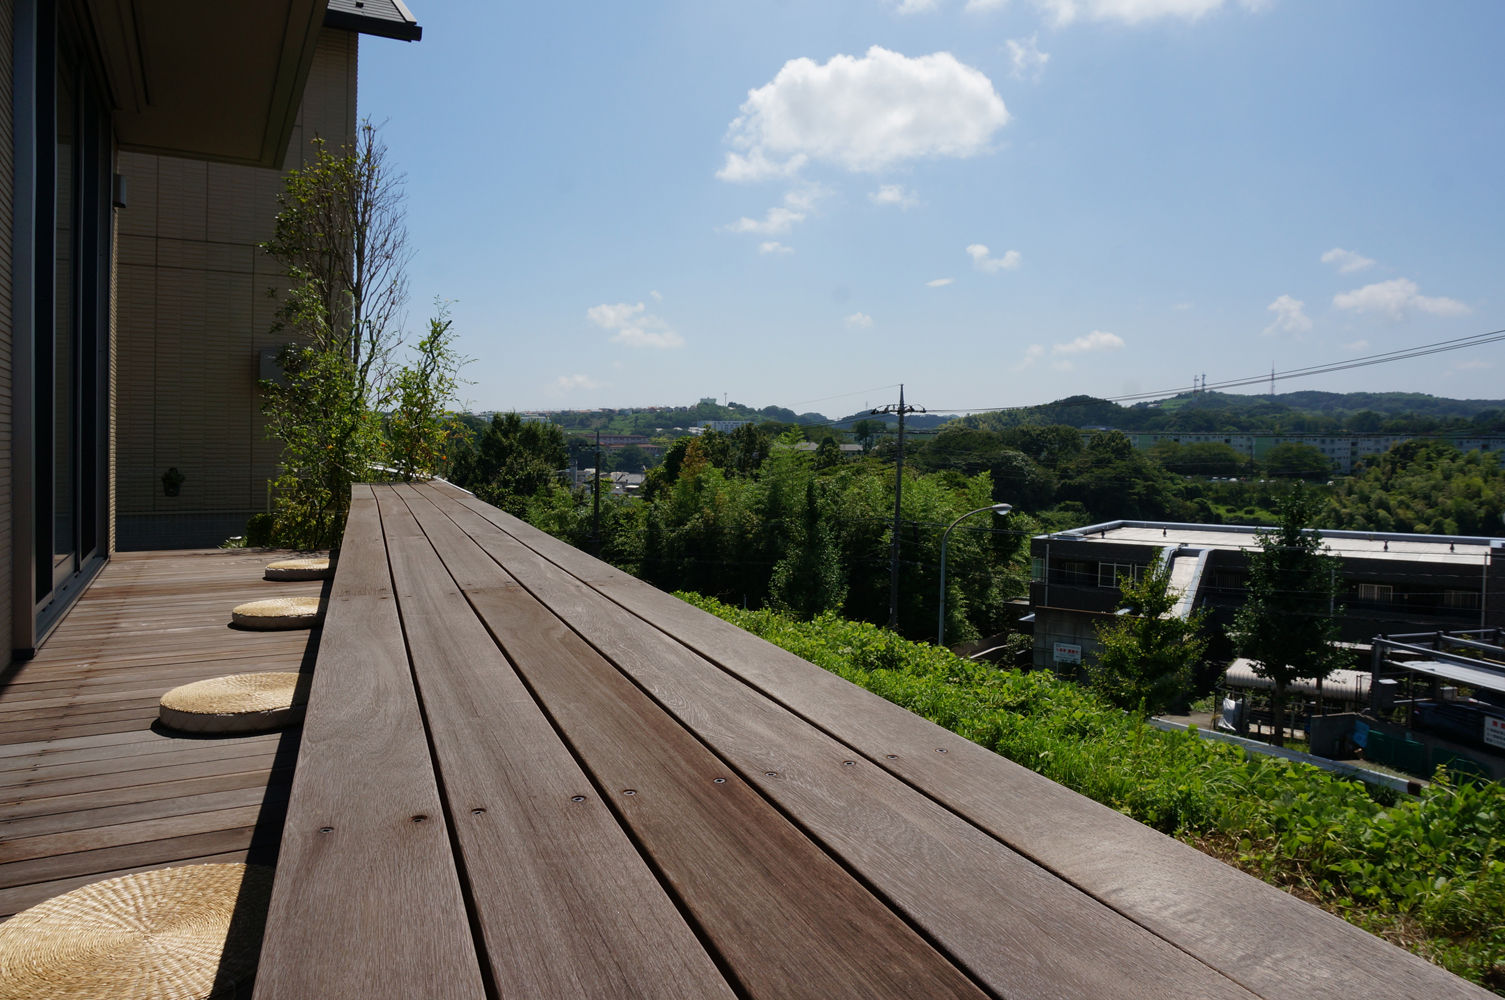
x=7 y=188
x=193 y=313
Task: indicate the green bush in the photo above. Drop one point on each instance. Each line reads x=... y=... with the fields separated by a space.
x=1427 y=872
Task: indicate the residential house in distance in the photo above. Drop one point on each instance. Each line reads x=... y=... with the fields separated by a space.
x=141 y=165
x=1392 y=583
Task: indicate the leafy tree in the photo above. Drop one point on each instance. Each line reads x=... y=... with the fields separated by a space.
x=827 y=454
x=511 y=462
x=630 y=458
x=1288 y=624
x=420 y=426
x=1298 y=461
x=866 y=432
x=809 y=580
x=1148 y=652
x=341 y=239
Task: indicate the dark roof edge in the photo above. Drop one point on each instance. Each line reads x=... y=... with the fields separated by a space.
x=396 y=21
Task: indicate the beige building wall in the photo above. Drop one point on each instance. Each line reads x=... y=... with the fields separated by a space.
x=7 y=192
x=192 y=316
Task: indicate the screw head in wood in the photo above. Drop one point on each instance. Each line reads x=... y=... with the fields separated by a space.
x=577 y=798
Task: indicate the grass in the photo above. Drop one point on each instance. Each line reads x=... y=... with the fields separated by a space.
x=1427 y=873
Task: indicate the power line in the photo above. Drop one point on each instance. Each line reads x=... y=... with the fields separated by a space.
x=843 y=395
x=1364 y=361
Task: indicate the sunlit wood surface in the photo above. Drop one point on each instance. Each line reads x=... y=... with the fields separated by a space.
x=89 y=786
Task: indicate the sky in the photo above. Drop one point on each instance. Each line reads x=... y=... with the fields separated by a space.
x=998 y=203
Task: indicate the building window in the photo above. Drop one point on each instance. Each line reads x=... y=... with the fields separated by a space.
x=1036 y=569
x=1113 y=574
x=1379 y=593
x=1464 y=600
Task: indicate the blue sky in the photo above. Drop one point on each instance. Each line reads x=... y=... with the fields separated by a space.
x=996 y=202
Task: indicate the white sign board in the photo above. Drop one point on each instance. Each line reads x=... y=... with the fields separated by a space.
x=1067 y=652
x=1494 y=731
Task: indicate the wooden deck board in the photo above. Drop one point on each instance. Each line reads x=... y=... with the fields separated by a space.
x=1256 y=935
x=565 y=904
x=367 y=899
x=1014 y=926
x=89 y=788
x=783 y=915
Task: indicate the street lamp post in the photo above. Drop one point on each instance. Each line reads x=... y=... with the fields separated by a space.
x=940 y=628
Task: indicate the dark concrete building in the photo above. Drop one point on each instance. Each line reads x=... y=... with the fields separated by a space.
x=1390 y=582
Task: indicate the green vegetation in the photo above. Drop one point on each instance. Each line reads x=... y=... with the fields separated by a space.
x=1427 y=873
x=1288 y=413
x=1423 y=486
x=1288 y=624
x=341 y=239
x=1148 y=653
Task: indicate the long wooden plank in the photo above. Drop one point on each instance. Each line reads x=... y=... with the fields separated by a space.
x=367 y=900
x=18 y=898
x=166 y=792
x=141 y=831
x=139 y=855
x=566 y=906
x=142 y=781
x=1268 y=941
x=130 y=769
x=1020 y=930
x=109 y=814
x=782 y=915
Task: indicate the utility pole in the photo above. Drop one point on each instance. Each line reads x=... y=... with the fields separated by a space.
x=893 y=549
x=596 y=521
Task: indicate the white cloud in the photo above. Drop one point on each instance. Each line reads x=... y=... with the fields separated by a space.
x=1097 y=340
x=568 y=383
x=1348 y=262
x=858 y=321
x=862 y=114
x=1289 y=317
x=780 y=218
x=1028 y=61
x=983 y=261
x=633 y=325
x=1356 y=345
x=939 y=282
x=1135 y=11
x=894 y=194
x=1182 y=306
x=977 y=5
x=915 y=6
x=1032 y=353
x=1396 y=298
x=774 y=246
x=657 y=295
x=1473 y=364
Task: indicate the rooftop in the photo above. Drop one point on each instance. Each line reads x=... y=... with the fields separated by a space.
x=1462 y=549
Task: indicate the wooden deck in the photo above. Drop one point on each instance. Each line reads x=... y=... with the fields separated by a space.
x=89 y=787
x=524 y=773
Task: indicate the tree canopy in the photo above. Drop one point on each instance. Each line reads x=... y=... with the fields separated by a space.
x=1288 y=624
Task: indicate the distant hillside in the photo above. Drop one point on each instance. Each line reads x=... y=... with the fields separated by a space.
x=1286 y=413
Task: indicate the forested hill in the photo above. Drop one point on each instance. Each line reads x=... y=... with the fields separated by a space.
x=1286 y=413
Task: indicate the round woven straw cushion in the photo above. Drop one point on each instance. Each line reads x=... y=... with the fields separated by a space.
x=298 y=569
x=278 y=612
x=164 y=935
x=239 y=703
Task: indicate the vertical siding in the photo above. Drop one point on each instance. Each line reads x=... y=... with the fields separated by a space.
x=7 y=189
x=192 y=313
